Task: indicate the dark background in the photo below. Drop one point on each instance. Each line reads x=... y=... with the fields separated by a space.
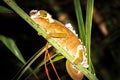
x=105 y=47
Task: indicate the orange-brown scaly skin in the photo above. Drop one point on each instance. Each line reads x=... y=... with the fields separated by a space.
x=70 y=41
x=66 y=39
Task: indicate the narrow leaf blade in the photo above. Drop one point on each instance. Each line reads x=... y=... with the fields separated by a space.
x=5 y=10
x=10 y=44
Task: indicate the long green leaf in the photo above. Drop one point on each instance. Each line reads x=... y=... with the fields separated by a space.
x=80 y=20
x=10 y=44
x=5 y=10
x=89 y=15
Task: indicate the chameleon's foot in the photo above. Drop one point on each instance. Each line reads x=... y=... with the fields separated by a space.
x=79 y=54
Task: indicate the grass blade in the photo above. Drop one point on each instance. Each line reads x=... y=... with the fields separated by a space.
x=42 y=63
x=80 y=20
x=10 y=44
x=5 y=10
x=89 y=15
x=29 y=63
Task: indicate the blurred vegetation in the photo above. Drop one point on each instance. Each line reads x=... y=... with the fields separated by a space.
x=105 y=36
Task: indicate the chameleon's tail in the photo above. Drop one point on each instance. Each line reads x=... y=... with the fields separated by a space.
x=73 y=72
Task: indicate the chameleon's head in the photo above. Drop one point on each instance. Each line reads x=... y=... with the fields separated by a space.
x=41 y=14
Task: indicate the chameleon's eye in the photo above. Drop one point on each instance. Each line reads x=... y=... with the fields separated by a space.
x=43 y=13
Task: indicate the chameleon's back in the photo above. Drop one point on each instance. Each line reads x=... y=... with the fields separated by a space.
x=69 y=42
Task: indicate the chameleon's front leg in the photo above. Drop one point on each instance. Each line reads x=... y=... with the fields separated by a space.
x=55 y=30
x=54 y=35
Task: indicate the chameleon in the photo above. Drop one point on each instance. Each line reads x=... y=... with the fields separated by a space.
x=66 y=38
